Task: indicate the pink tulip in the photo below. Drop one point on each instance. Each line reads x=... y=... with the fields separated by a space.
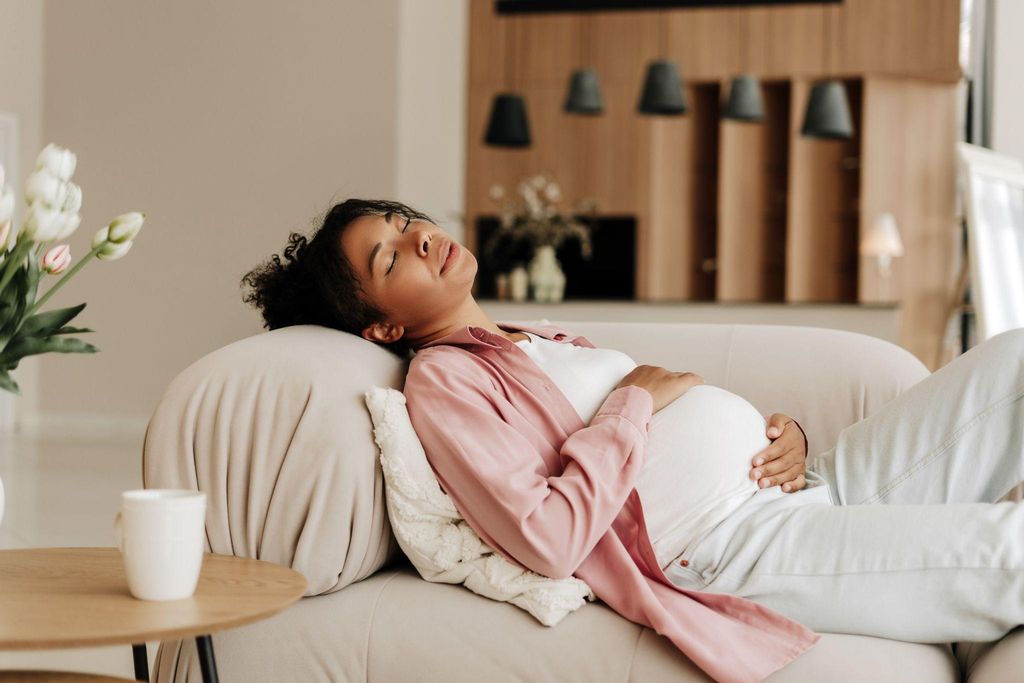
x=56 y=259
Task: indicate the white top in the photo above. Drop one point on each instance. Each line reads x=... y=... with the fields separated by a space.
x=699 y=448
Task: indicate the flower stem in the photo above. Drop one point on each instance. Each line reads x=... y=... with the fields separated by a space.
x=13 y=260
x=67 y=276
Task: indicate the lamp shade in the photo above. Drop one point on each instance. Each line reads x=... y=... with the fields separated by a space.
x=663 y=90
x=584 y=95
x=828 y=112
x=883 y=239
x=746 y=102
x=508 y=125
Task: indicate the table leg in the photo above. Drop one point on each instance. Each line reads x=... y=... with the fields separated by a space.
x=207 y=664
x=141 y=662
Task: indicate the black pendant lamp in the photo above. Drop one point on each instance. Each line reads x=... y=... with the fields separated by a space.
x=828 y=109
x=508 y=125
x=584 y=95
x=746 y=102
x=663 y=90
x=663 y=86
x=828 y=112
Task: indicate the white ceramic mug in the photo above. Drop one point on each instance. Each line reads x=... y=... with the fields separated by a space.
x=161 y=535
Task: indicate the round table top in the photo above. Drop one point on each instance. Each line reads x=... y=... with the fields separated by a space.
x=57 y=677
x=78 y=597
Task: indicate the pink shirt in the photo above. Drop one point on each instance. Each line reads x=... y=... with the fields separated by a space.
x=558 y=497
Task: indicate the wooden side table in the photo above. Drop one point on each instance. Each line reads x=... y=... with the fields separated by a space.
x=53 y=598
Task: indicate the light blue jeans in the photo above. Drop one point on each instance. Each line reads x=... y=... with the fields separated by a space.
x=900 y=532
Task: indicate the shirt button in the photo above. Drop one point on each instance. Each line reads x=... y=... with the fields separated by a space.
x=684 y=563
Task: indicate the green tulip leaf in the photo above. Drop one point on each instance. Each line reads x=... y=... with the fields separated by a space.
x=47 y=323
x=7 y=383
x=31 y=281
x=73 y=330
x=29 y=346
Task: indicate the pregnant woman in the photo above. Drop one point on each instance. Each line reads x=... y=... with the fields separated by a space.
x=680 y=505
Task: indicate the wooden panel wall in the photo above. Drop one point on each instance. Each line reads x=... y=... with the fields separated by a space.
x=707 y=195
x=910 y=130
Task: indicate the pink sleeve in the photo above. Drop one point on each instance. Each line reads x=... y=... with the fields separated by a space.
x=499 y=482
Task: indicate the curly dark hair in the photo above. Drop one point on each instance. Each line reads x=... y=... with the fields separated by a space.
x=316 y=284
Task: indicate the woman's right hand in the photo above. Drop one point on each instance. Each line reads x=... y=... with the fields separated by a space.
x=664 y=385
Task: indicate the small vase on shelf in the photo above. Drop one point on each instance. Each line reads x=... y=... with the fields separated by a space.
x=546 y=275
x=519 y=284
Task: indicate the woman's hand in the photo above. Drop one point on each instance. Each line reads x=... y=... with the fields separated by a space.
x=664 y=385
x=784 y=461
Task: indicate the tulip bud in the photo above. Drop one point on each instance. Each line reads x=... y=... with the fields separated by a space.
x=43 y=186
x=125 y=227
x=6 y=204
x=112 y=251
x=100 y=237
x=69 y=223
x=57 y=161
x=5 y=228
x=56 y=259
x=42 y=222
x=73 y=201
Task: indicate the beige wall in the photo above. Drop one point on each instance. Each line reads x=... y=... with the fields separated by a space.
x=21 y=93
x=230 y=124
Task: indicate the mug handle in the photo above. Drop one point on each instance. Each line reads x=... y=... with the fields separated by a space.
x=118 y=532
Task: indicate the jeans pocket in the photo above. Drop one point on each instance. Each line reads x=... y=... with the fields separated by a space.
x=694 y=568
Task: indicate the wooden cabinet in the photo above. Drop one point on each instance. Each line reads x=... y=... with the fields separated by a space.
x=730 y=211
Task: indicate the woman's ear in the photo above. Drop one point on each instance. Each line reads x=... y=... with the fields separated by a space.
x=383 y=333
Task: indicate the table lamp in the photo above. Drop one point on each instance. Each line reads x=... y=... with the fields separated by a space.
x=883 y=241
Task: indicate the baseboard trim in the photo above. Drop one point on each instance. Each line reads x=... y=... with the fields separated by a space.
x=82 y=425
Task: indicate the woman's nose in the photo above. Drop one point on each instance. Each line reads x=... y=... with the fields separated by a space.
x=423 y=244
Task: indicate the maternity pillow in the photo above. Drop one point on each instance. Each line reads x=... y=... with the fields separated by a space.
x=435 y=537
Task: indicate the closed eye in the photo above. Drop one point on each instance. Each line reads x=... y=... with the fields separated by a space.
x=395 y=258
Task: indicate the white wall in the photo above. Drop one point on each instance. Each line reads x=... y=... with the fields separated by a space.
x=1008 y=93
x=21 y=93
x=230 y=123
x=432 y=73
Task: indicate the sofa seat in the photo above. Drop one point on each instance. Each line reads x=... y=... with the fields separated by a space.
x=394 y=626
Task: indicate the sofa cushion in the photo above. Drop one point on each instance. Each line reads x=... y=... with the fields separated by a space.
x=275 y=430
x=435 y=537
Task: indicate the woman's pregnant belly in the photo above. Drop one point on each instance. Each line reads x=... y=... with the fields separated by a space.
x=697 y=472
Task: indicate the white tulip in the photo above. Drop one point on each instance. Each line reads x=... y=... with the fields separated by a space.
x=69 y=223
x=42 y=222
x=73 y=201
x=125 y=227
x=1 y=175
x=5 y=228
x=112 y=251
x=6 y=204
x=58 y=161
x=56 y=259
x=43 y=186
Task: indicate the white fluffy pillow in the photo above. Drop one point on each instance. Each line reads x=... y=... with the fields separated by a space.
x=435 y=537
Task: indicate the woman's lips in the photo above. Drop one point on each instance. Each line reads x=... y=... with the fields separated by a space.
x=453 y=253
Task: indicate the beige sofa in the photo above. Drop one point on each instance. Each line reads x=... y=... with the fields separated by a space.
x=275 y=430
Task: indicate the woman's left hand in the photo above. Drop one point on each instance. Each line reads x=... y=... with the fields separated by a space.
x=784 y=461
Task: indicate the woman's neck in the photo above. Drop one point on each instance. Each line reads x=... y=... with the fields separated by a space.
x=468 y=314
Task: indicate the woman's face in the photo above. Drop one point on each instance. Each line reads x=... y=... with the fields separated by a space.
x=398 y=262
